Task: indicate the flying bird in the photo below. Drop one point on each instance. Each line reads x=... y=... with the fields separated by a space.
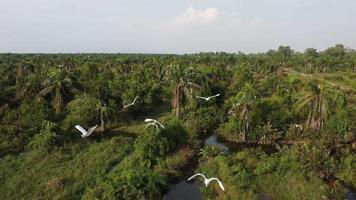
x=208 y=98
x=132 y=103
x=207 y=181
x=84 y=132
x=153 y=122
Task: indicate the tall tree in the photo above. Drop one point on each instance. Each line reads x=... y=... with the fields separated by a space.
x=182 y=78
x=56 y=84
x=244 y=101
x=317 y=101
x=103 y=111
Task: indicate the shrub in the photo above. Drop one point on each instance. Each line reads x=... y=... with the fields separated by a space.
x=82 y=110
x=203 y=119
x=46 y=139
x=338 y=123
x=154 y=145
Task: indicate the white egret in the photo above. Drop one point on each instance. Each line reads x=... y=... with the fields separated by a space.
x=132 y=103
x=207 y=181
x=208 y=98
x=84 y=132
x=154 y=123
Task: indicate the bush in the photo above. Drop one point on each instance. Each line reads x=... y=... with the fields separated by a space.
x=155 y=145
x=46 y=139
x=20 y=125
x=140 y=184
x=82 y=110
x=338 y=123
x=203 y=120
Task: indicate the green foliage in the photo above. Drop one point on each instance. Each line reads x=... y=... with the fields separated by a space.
x=275 y=90
x=19 y=126
x=339 y=123
x=202 y=120
x=134 y=184
x=347 y=170
x=154 y=145
x=62 y=173
x=46 y=139
x=82 y=110
x=246 y=172
x=209 y=152
x=31 y=114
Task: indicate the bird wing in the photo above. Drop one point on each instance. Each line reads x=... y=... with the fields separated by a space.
x=91 y=130
x=128 y=105
x=149 y=124
x=195 y=176
x=220 y=183
x=152 y=124
x=201 y=97
x=135 y=100
x=160 y=124
x=149 y=120
x=81 y=129
x=215 y=95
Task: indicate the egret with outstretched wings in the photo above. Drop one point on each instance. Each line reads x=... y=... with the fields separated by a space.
x=207 y=181
x=84 y=132
x=153 y=122
x=208 y=98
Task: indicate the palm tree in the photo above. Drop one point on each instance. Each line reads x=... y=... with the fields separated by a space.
x=245 y=99
x=317 y=102
x=22 y=70
x=209 y=152
x=103 y=112
x=33 y=85
x=57 y=83
x=182 y=79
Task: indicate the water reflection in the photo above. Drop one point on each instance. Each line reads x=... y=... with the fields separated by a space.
x=351 y=195
x=213 y=140
x=227 y=146
x=184 y=191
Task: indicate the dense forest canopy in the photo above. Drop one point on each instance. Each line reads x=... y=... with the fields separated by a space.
x=303 y=105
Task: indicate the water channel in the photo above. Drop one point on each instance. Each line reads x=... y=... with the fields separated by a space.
x=191 y=190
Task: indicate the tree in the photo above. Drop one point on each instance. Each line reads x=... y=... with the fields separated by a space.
x=310 y=55
x=317 y=103
x=182 y=79
x=103 y=111
x=22 y=70
x=82 y=110
x=245 y=100
x=57 y=84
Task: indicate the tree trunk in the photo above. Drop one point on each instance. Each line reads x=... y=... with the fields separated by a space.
x=177 y=99
x=102 y=122
x=19 y=81
x=245 y=124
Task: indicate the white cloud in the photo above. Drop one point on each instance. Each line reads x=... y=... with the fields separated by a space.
x=192 y=15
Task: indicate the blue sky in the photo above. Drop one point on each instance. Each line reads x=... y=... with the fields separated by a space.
x=172 y=26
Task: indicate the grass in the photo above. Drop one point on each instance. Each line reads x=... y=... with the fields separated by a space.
x=60 y=174
x=250 y=174
x=137 y=126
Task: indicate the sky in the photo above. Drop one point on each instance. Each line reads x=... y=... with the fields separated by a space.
x=174 y=26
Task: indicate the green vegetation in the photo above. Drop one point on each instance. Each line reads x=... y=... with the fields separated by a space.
x=263 y=97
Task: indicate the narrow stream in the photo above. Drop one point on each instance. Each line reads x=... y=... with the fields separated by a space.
x=351 y=195
x=191 y=190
